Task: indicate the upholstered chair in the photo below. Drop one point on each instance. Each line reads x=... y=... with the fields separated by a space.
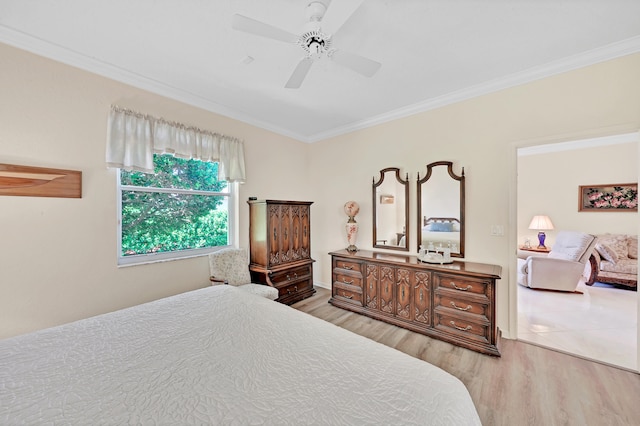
x=563 y=267
x=230 y=266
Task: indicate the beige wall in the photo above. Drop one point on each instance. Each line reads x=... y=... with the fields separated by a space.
x=548 y=184
x=480 y=135
x=58 y=258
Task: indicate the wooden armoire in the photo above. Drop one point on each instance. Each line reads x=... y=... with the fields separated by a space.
x=279 y=246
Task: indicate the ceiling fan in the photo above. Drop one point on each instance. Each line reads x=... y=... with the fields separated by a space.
x=314 y=42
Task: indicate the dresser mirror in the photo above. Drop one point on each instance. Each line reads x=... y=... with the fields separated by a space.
x=440 y=201
x=391 y=210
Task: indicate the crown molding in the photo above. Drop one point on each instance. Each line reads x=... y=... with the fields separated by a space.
x=633 y=137
x=591 y=57
x=79 y=60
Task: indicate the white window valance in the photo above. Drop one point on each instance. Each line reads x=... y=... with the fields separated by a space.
x=133 y=138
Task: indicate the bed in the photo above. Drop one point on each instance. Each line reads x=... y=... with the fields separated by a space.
x=440 y=231
x=219 y=355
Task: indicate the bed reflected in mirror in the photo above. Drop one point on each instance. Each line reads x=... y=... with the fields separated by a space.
x=440 y=201
x=391 y=210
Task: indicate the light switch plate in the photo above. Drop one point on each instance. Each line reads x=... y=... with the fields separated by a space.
x=497 y=230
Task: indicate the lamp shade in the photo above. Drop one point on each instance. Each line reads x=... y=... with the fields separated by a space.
x=541 y=223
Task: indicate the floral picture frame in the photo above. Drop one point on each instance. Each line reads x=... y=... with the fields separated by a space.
x=621 y=197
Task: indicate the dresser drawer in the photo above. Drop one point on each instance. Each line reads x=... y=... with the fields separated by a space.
x=462 y=327
x=460 y=304
x=461 y=285
x=347 y=293
x=290 y=290
x=347 y=279
x=344 y=265
x=287 y=276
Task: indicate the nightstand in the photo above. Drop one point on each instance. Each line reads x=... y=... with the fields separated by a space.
x=524 y=252
x=536 y=249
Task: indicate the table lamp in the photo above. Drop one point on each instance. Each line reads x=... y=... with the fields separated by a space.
x=541 y=224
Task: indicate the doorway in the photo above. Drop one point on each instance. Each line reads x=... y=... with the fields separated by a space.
x=600 y=322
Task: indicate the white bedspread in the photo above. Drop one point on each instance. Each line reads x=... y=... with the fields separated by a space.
x=219 y=356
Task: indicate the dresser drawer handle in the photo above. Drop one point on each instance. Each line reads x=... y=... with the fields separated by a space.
x=467 y=288
x=347 y=282
x=459 y=308
x=295 y=289
x=347 y=297
x=348 y=268
x=467 y=328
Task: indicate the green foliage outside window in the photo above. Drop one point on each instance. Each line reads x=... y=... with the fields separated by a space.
x=173 y=220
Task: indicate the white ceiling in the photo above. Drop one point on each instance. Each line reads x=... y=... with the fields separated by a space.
x=433 y=52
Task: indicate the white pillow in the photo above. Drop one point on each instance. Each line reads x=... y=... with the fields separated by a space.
x=607 y=252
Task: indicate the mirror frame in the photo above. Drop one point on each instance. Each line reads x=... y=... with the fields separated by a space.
x=460 y=179
x=404 y=182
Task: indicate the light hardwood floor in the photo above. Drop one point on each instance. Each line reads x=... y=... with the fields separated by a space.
x=528 y=385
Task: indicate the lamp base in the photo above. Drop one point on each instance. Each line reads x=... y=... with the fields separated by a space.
x=541 y=237
x=352 y=233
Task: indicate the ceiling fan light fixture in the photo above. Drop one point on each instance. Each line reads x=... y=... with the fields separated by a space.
x=315 y=43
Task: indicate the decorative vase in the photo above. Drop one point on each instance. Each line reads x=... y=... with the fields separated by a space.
x=351 y=208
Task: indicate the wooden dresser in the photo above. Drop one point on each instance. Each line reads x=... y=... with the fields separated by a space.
x=453 y=302
x=279 y=246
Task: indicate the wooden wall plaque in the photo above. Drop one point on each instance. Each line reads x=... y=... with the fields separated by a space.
x=40 y=181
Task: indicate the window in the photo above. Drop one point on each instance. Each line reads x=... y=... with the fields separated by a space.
x=182 y=210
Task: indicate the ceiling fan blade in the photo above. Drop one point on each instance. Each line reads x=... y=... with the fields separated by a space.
x=299 y=73
x=338 y=12
x=359 y=64
x=249 y=25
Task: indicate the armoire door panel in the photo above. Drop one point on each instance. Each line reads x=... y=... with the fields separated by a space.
x=305 y=229
x=285 y=240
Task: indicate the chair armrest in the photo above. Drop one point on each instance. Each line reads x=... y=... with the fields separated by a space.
x=217 y=281
x=545 y=272
x=551 y=262
x=594 y=267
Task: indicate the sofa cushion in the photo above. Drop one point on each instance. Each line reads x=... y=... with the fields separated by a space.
x=623 y=266
x=613 y=247
x=632 y=245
